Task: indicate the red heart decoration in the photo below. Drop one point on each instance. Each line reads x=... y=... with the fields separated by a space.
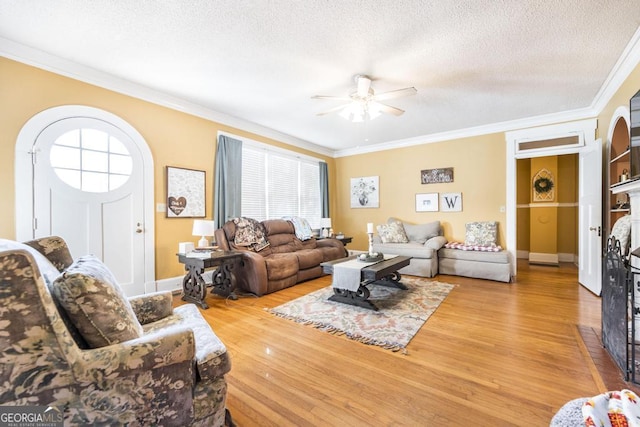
x=177 y=205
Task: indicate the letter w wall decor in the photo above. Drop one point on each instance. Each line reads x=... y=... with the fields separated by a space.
x=451 y=202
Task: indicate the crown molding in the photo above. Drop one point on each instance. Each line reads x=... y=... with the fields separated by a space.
x=628 y=60
x=623 y=67
x=542 y=120
x=48 y=62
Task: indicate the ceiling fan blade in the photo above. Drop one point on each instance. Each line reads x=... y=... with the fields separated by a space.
x=338 y=98
x=332 y=110
x=384 y=108
x=407 y=91
x=364 y=84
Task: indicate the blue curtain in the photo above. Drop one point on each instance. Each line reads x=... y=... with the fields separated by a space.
x=227 y=196
x=324 y=189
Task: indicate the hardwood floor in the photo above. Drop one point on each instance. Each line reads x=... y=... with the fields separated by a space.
x=493 y=354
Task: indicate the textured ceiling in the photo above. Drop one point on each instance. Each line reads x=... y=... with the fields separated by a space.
x=473 y=63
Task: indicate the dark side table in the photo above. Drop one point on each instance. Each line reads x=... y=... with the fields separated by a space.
x=345 y=240
x=194 y=288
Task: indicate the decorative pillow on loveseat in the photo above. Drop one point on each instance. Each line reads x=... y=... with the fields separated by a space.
x=392 y=232
x=95 y=303
x=483 y=233
x=419 y=233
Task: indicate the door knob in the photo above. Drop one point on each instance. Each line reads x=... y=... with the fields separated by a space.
x=138 y=228
x=595 y=229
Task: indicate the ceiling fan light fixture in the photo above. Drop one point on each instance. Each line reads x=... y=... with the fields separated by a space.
x=364 y=86
x=355 y=111
x=349 y=111
x=363 y=104
x=373 y=110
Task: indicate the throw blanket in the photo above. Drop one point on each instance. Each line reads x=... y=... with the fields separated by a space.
x=346 y=275
x=301 y=226
x=463 y=247
x=250 y=233
x=614 y=408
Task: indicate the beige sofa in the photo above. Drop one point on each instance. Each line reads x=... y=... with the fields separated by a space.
x=430 y=256
x=478 y=265
x=422 y=244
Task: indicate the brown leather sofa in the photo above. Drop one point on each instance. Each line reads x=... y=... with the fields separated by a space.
x=286 y=261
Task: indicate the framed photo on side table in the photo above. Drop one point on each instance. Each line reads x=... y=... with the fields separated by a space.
x=427 y=202
x=185 y=193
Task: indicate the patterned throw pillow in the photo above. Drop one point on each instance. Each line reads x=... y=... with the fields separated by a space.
x=463 y=247
x=392 y=232
x=484 y=233
x=95 y=303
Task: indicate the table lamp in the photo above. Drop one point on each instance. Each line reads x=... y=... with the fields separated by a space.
x=203 y=228
x=325 y=224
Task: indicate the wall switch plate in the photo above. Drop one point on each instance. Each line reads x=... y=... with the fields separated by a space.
x=161 y=207
x=502 y=209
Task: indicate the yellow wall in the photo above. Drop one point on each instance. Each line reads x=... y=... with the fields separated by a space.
x=523 y=198
x=568 y=194
x=543 y=225
x=620 y=99
x=175 y=139
x=479 y=174
x=180 y=139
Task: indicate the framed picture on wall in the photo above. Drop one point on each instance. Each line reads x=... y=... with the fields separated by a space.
x=436 y=176
x=427 y=202
x=451 y=202
x=365 y=192
x=185 y=193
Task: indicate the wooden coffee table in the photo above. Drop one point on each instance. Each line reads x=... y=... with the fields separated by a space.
x=383 y=273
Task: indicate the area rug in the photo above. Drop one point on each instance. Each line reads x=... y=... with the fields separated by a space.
x=399 y=317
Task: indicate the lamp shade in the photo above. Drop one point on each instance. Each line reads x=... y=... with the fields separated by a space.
x=325 y=222
x=203 y=227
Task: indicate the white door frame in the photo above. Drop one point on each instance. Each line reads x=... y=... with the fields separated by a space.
x=24 y=174
x=584 y=129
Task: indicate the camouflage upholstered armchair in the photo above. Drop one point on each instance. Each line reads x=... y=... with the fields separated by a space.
x=70 y=339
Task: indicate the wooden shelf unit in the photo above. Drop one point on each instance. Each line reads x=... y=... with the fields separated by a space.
x=619 y=163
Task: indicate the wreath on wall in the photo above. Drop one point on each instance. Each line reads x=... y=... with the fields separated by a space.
x=543 y=185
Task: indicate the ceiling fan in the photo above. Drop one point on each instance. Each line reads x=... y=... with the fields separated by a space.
x=364 y=103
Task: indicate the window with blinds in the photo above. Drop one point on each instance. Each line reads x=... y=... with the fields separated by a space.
x=277 y=184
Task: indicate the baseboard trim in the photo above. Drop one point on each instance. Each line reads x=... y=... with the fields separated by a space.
x=171 y=284
x=541 y=258
x=572 y=258
x=174 y=284
x=562 y=257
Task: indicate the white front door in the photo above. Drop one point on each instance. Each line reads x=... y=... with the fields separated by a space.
x=590 y=217
x=88 y=189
